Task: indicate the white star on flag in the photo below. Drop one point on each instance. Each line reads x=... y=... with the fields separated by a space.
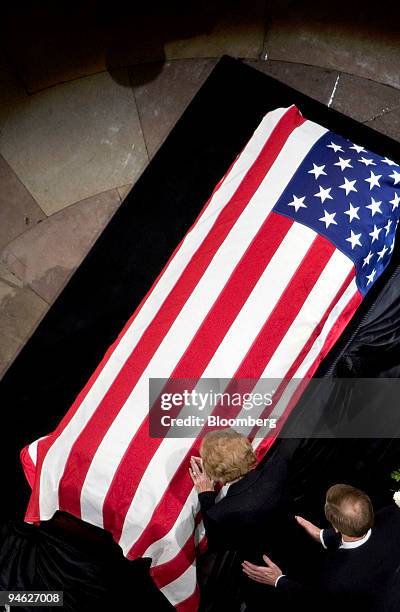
x=367 y=162
x=382 y=252
x=297 y=203
x=371 y=276
x=324 y=194
x=354 y=239
x=392 y=246
x=389 y=162
x=348 y=186
x=335 y=147
x=343 y=163
x=373 y=180
x=317 y=170
x=328 y=218
x=357 y=148
x=375 y=233
x=395 y=201
x=367 y=259
x=395 y=176
x=352 y=212
x=387 y=226
x=374 y=207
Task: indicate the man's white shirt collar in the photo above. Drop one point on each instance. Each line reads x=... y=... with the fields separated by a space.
x=356 y=543
x=347 y=545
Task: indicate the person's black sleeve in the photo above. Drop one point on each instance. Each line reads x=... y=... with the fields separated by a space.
x=292 y=587
x=207 y=500
x=331 y=539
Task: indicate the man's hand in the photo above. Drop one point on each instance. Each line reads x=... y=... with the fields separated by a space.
x=259 y=573
x=199 y=477
x=311 y=529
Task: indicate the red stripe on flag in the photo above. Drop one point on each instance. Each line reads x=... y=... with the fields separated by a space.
x=251 y=367
x=167 y=572
x=87 y=442
x=28 y=465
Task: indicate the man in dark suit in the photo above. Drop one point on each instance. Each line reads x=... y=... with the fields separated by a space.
x=362 y=556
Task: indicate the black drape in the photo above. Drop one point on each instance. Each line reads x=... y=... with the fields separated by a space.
x=80 y=560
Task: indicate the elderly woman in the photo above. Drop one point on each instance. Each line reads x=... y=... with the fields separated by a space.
x=252 y=502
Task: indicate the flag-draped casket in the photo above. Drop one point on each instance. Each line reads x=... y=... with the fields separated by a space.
x=262 y=286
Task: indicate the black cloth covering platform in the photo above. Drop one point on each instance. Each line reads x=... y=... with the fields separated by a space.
x=65 y=554
x=55 y=364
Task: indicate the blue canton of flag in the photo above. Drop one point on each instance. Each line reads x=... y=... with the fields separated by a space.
x=350 y=196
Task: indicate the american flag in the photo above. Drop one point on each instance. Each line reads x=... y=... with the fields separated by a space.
x=262 y=285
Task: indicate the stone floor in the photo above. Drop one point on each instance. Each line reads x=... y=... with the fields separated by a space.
x=79 y=122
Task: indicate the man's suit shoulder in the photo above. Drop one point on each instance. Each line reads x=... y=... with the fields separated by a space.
x=388 y=515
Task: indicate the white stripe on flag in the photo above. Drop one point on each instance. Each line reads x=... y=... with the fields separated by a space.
x=181 y=588
x=32 y=449
x=200 y=532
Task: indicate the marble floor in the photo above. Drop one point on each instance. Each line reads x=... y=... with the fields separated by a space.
x=87 y=96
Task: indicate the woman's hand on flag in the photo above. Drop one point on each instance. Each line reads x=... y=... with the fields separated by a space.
x=199 y=477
